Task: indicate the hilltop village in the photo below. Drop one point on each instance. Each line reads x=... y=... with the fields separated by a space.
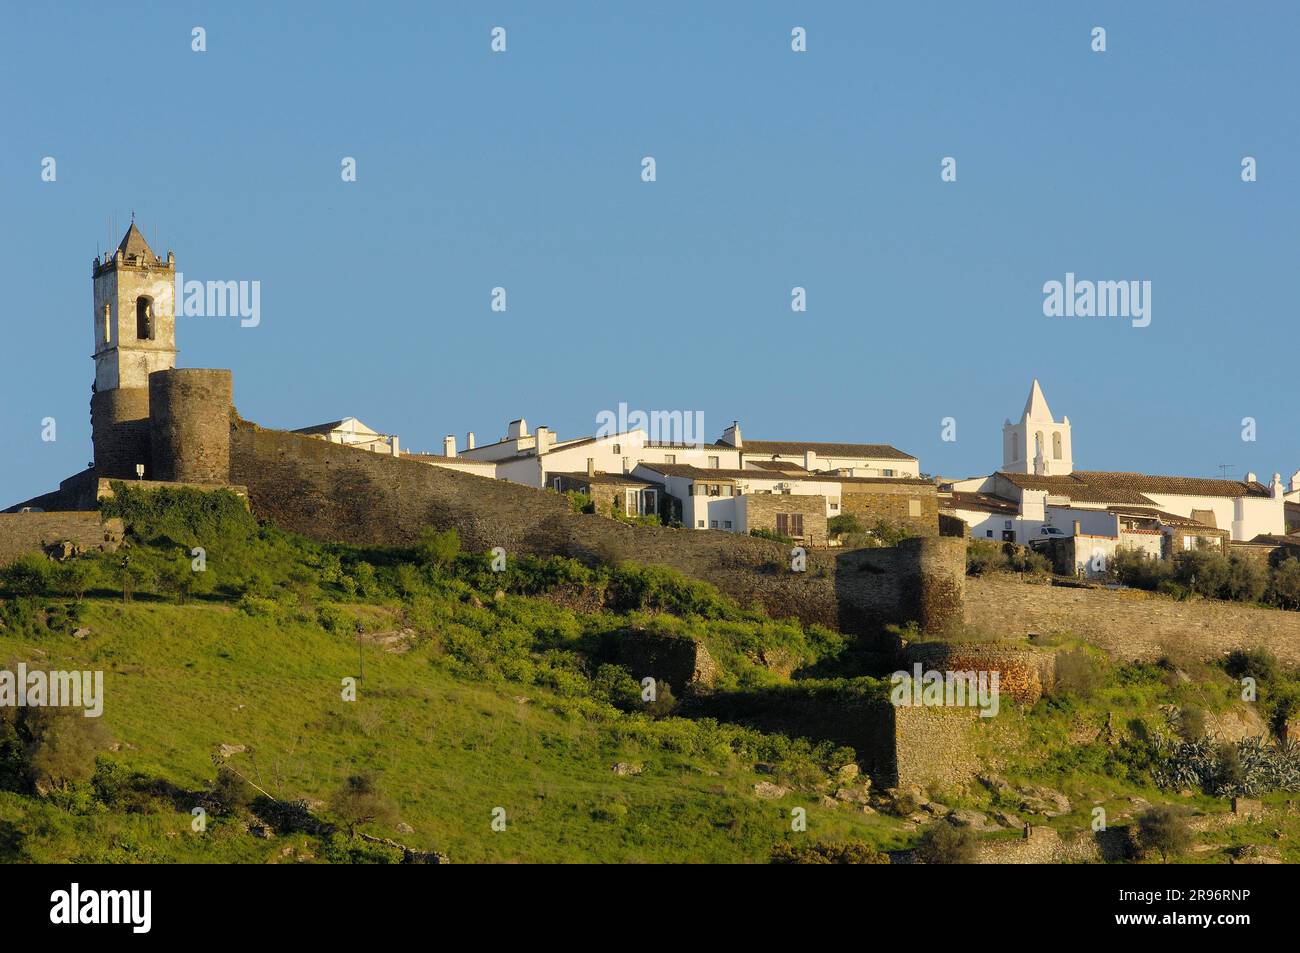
x=154 y=422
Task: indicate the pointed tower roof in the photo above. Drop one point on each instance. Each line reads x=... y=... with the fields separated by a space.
x=1036 y=406
x=133 y=243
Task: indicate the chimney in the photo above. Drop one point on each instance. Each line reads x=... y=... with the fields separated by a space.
x=1276 y=486
x=1295 y=482
x=469 y=440
x=732 y=435
x=543 y=440
x=810 y=460
x=1076 y=528
x=1250 y=477
x=517 y=428
x=397 y=449
x=591 y=466
x=449 y=446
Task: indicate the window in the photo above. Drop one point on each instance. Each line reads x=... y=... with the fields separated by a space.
x=558 y=488
x=714 y=463
x=988 y=533
x=670 y=458
x=1056 y=445
x=1039 y=445
x=713 y=524
x=726 y=524
x=713 y=489
x=108 y=323
x=1015 y=449
x=699 y=524
x=887 y=473
x=649 y=502
x=617 y=449
x=789 y=524
x=144 y=318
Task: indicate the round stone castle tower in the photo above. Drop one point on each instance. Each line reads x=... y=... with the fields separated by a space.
x=189 y=433
x=144 y=411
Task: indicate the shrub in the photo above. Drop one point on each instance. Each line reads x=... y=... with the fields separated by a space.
x=1164 y=829
x=438 y=549
x=28 y=575
x=942 y=843
x=618 y=687
x=850 y=852
x=887 y=534
x=1078 y=672
x=359 y=802
x=580 y=502
x=1258 y=663
x=984 y=556
x=1132 y=567
x=1191 y=723
x=1030 y=561
x=843 y=525
x=229 y=792
x=664 y=702
x=772 y=535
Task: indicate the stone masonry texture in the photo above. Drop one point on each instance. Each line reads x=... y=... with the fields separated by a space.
x=1131 y=624
x=335 y=492
x=38 y=532
x=190 y=425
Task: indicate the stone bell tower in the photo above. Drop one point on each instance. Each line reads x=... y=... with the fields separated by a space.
x=135 y=335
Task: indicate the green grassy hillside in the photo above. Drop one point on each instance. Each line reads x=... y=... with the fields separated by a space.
x=479 y=690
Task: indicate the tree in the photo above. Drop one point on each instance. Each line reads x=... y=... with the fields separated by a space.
x=1164 y=829
x=230 y=792
x=47 y=748
x=73 y=577
x=359 y=802
x=1284 y=587
x=1247 y=579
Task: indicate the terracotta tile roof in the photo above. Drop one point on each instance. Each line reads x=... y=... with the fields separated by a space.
x=851 y=481
x=875 y=451
x=1151 y=512
x=599 y=476
x=1076 y=490
x=709 y=473
x=1098 y=486
x=779 y=465
x=984 y=502
x=1175 y=485
x=443 y=458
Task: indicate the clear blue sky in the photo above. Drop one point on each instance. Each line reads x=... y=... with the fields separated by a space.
x=775 y=169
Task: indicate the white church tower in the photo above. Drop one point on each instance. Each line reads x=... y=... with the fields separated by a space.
x=1038 y=444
